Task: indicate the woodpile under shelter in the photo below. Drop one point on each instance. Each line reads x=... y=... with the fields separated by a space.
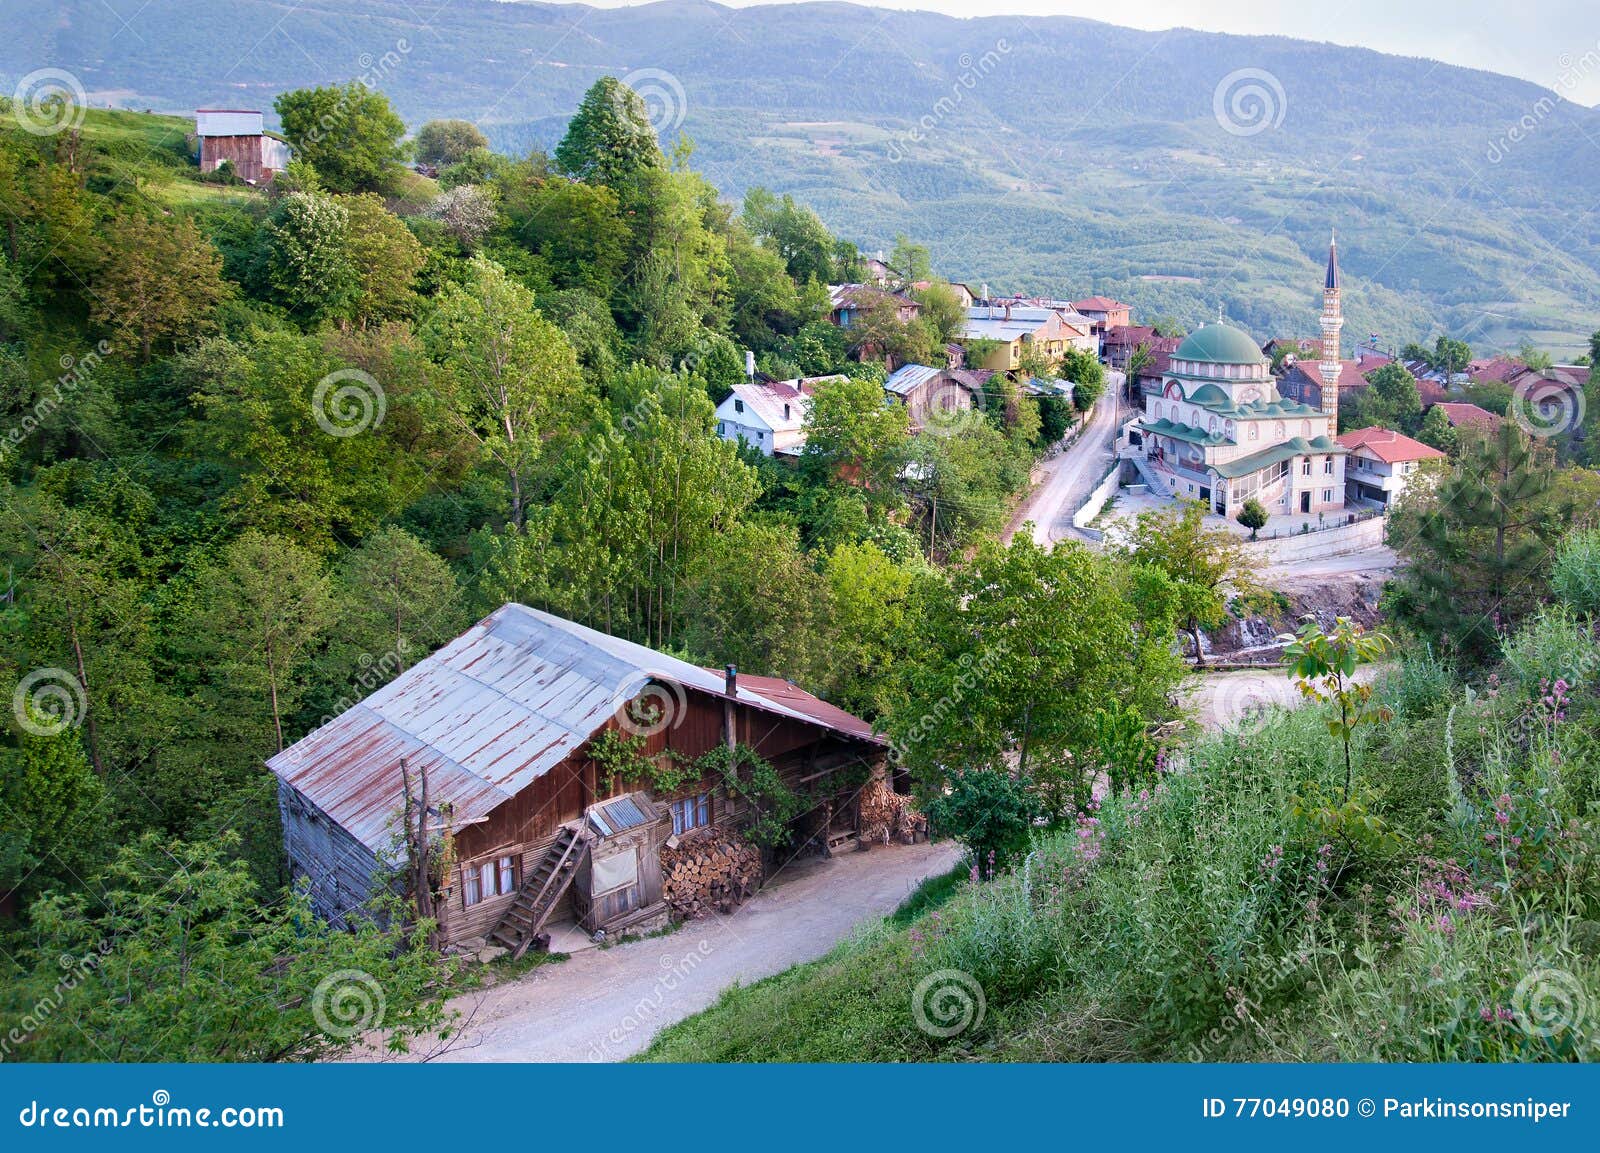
x=502 y=722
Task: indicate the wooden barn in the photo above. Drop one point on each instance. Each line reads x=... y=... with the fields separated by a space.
x=239 y=137
x=502 y=723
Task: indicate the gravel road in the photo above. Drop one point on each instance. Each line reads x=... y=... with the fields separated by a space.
x=606 y=1004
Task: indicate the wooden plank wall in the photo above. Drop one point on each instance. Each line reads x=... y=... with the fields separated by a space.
x=339 y=870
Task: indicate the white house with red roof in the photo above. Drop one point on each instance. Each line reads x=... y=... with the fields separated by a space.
x=769 y=416
x=1379 y=463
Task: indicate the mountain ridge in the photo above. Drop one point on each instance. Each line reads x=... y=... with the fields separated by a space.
x=1086 y=157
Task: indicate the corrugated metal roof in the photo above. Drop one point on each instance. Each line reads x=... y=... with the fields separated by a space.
x=905 y=379
x=493 y=710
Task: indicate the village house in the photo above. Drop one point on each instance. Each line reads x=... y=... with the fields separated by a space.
x=1495 y=369
x=1304 y=382
x=846 y=303
x=1459 y=414
x=769 y=416
x=1379 y=464
x=1220 y=432
x=926 y=392
x=238 y=136
x=1015 y=328
x=1103 y=313
x=1119 y=342
x=498 y=731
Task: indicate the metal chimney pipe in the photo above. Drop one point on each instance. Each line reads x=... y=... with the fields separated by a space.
x=730 y=677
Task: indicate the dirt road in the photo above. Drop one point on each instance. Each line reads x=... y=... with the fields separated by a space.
x=606 y=1004
x=1069 y=477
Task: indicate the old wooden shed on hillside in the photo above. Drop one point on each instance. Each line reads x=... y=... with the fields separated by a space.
x=502 y=720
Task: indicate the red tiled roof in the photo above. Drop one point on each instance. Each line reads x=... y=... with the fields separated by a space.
x=1129 y=334
x=1459 y=413
x=1100 y=304
x=1349 y=374
x=1387 y=445
x=1494 y=368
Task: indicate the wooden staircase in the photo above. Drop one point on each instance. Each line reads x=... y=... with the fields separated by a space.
x=541 y=890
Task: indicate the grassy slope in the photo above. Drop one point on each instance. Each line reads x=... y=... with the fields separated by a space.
x=1184 y=941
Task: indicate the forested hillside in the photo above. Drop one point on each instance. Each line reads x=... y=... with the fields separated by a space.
x=1178 y=170
x=261 y=451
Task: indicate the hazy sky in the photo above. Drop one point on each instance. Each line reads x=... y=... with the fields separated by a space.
x=1554 y=43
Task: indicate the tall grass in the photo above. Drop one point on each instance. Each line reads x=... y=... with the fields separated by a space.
x=1225 y=914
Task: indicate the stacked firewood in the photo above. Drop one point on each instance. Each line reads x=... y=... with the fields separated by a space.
x=885 y=814
x=713 y=872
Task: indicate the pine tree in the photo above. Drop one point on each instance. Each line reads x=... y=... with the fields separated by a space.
x=1475 y=551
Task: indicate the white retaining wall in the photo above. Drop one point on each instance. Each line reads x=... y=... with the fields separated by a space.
x=1358 y=537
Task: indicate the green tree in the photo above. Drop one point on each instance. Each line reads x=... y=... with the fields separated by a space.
x=1475 y=548
x=161 y=281
x=1450 y=356
x=988 y=812
x=793 y=231
x=348 y=133
x=609 y=140
x=385 y=258
x=1205 y=564
x=308 y=256
x=50 y=797
x=1253 y=515
x=853 y=437
x=259 y=609
x=1435 y=430
x=402 y=598
x=1012 y=655
x=577 y=228
x=942 y=311
x=516 y=375
x=1390 y=400
x=757 y=603
x=910 y=261
x=1088 y=378
x=184 y=960
x=868 y=608
x=444 y=142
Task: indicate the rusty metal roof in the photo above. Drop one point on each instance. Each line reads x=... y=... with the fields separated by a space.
x=496 y=708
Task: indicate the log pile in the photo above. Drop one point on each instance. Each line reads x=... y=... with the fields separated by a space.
x=885 y=814
x=713 y=872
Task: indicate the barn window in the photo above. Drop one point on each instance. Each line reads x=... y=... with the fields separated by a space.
x=496 y=877
x=691 y=813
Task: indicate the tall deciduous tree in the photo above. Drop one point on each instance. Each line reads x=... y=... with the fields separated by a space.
x=308 y=264
x=402 y=598
x=385 y=258
x=259 y=609
x=441 y=142
x=348 y=133
x=1013 y=654
x=516 y=374
x=1205 y=564
x=853 y=437
x=161 y=281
